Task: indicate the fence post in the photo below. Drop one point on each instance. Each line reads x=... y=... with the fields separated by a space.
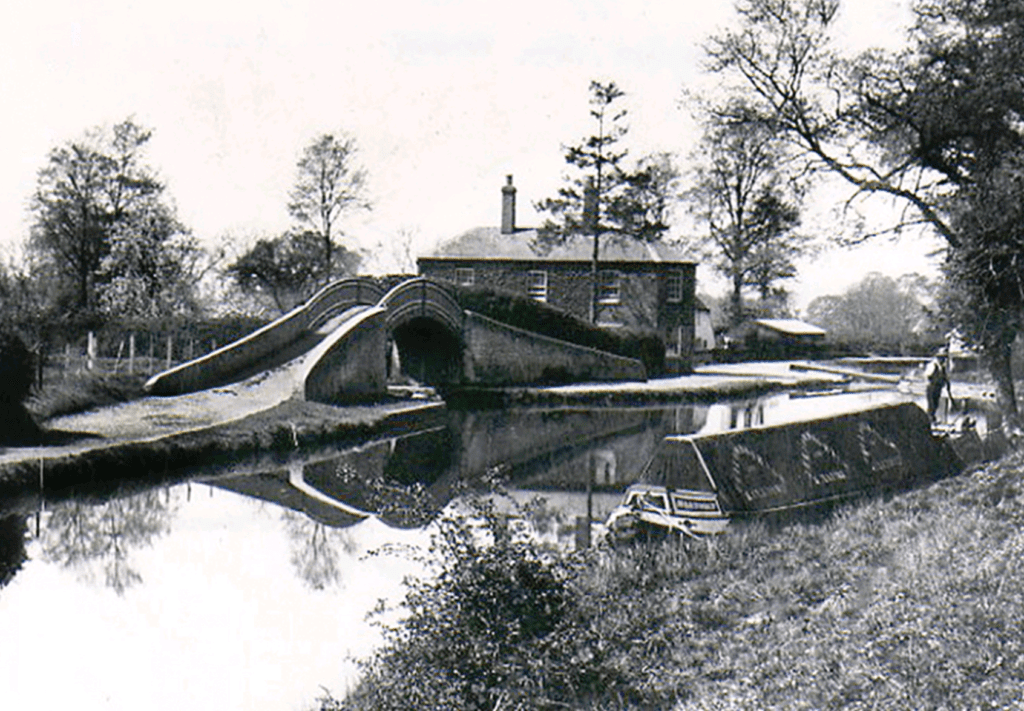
x=170 y=349
x=67 y=359
x=90 y=352
x=131 y=353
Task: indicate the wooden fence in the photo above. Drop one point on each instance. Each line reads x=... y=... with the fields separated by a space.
x=131 y=353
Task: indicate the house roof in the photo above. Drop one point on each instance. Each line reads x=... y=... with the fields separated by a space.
x=790 y=326
x=490 y=243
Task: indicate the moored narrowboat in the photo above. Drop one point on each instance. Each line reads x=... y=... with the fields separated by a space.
x=696 y=483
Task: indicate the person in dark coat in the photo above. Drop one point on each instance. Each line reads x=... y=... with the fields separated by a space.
x=937 y=376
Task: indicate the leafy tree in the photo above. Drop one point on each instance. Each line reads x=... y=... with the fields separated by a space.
x=153 y=267
x=930 y=126
x=606 y=200
x=327 y=185
x=740 y=193
x=878 y=311
x=87 y=195
x=287 y=269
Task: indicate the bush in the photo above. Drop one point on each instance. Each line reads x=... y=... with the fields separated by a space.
x=17 y=374
x=500 y=625
x=17 y=369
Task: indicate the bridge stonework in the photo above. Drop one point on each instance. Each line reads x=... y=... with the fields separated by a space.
x=499 y=354
x=351 y=363
x=346 y=332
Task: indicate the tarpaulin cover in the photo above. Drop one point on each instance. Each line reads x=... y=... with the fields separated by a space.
x=760 y=469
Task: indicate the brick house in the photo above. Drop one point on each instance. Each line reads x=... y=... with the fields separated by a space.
x=647 y=288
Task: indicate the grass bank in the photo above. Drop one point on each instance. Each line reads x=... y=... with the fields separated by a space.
x=915 y=601
x=83 y=391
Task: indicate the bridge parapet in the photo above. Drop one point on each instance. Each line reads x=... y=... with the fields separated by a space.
x=423 y=298
x=339 y=296
x=219 y=366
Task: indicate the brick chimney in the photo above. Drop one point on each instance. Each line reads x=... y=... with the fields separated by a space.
x=508 y=207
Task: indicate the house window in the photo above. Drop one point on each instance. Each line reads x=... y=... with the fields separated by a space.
x=464 y=277
x=674 y=287
x=609 y=287
x=537 y=285
x=674 y=341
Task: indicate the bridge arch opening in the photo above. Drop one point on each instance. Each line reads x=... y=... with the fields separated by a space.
x=428 y=352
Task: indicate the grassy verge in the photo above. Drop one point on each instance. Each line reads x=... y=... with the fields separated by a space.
x=81 y=392
x=911 y=602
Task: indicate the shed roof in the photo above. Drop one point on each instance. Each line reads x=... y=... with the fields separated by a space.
x=790 y=326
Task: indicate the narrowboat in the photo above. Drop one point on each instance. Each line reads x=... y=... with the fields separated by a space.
x=696 y=483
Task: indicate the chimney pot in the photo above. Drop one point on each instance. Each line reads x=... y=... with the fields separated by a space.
x=508 y=207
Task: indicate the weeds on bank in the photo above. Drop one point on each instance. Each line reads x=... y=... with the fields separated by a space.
x=912 y=601
x=82 y=392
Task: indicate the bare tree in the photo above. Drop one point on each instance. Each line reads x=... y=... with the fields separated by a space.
x=328 y=184
x=739 y=192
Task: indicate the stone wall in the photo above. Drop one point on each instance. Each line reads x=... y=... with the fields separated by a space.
x=351 y=363
x=497 y=354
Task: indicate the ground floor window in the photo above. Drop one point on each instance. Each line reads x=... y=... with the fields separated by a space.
x=609 y=287
x=537 y=285
x=674 y=341
x=464 y=276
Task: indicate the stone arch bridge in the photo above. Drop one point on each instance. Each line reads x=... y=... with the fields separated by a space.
x=346 y=341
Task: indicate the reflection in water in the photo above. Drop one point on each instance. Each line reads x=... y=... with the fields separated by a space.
x=315 y=547
x=12 y=546
x=85 y=535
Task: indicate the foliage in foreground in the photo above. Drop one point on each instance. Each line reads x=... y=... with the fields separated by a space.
x=911 y=602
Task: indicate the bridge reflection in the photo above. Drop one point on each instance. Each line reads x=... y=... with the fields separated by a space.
x=406 y=480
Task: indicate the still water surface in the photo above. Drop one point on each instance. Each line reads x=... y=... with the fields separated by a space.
x=248 y=589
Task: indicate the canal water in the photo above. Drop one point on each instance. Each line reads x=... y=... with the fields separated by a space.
x=248 y=588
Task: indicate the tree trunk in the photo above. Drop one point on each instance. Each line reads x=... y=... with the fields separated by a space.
x=736 y=300
x=327 y=258
x=997 y=359
x=593 y=281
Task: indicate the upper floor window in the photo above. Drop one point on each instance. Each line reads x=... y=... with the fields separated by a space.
x=464 y=277
x=609 y=287
x=537 y=285
x=674 y=287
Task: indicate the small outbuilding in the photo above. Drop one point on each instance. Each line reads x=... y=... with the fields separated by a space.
x=777 y=337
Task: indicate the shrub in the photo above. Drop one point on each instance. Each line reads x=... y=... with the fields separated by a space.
x=17 y=369
x=500 y=625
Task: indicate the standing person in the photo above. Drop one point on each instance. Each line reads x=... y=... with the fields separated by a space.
x=937 y=377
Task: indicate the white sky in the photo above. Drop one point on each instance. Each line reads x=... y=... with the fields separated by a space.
x=443 y=98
